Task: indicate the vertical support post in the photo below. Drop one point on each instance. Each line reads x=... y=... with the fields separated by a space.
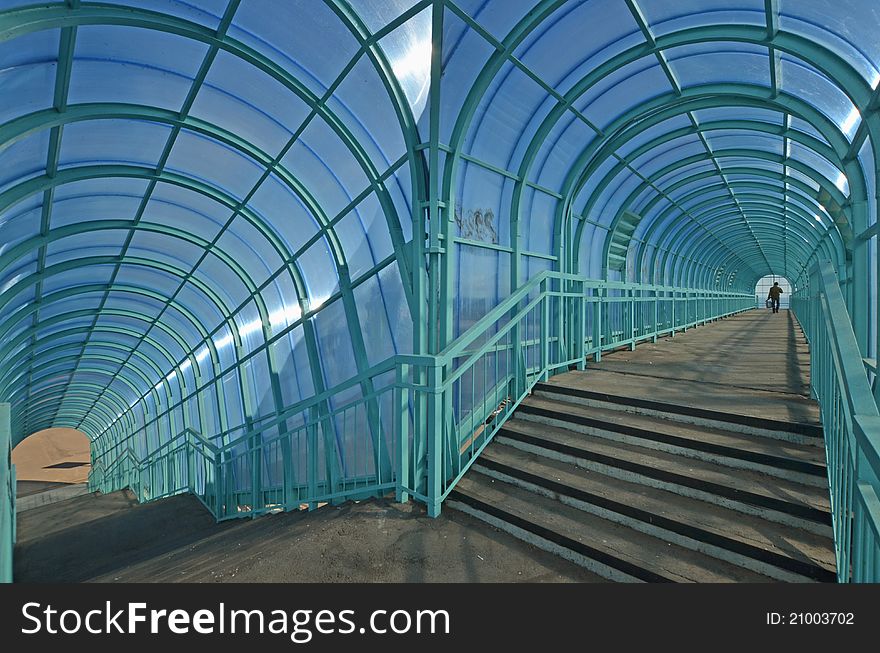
x=401 y=427
x=632 y=319
x=440 y=273
x=190 y=462
x=288 y=474
x=7 y=496
x=656 y=316
x=13 y=483
x=215 y=485
x=581 y=332
x=597 y=325
x=255 y=442
x=544 y=335
x=435 y=439
x=859 y=279
x=312 y=462
x=562 y=346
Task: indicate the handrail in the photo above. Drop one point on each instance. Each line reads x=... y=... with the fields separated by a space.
x=419 y=433
x=478 y=329
x=858 y=392
x=850 y=420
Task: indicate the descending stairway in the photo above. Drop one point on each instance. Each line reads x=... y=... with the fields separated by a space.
x=641 y=490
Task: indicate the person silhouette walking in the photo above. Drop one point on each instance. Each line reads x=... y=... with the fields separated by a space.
x=774 y=295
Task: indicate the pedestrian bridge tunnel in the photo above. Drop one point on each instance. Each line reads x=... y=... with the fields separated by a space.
x=239 y=239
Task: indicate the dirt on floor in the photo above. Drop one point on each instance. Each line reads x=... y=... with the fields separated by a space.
x=109 y=538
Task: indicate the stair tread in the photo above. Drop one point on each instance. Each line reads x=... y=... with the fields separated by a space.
x=565 y=385
x=689 y=433
x=673 y=562
x=742 y=480
x=749 y=530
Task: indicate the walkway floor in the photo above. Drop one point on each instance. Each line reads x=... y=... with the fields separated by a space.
x=110 y=538
x=754 y=364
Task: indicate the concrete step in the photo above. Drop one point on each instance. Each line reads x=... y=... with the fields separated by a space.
x=601 y=545
x=779 y=500
x=788 y=460
x=767 y=548
x=562 y=389
x=61 y=492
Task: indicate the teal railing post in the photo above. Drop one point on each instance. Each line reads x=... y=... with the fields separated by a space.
x=190 y=462
x=435 y=434
x=545 y=329
x=312 y=460
x=14 y=490
x=288 y=473
x=255 y=444
x=217 y=490
x=401 y=427
x=597 y=325
x=582 y=326
x=7 y=496
x=632 y=319
x=656 y=302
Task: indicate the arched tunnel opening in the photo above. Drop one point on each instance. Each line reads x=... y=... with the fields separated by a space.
x=762 y=291
x=50 y=458
x=278 y=256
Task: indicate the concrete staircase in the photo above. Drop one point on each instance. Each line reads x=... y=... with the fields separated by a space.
x=641 y=490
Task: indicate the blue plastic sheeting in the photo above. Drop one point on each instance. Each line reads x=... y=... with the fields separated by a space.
x=230 y=196
x=210 y=211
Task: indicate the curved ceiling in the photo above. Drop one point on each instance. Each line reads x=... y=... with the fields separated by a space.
x=207 y=208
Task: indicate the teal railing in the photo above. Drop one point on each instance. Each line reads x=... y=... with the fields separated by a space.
x=850 y=422
x=413 y=424
x=7 y=497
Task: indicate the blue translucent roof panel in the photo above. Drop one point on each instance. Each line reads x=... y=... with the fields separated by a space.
x=28 y=87
x=496 y=18
x=464 y=53
x=847 y=27
x=363 y=253
x=629 y=86
x=25 y=158
x=293 y=39
x=103 y=142
x=807 y=128
x=316 y=262
x=248 y=103
x=682 y=14
x=309 y=160
x=540 y=52
x=805 y=82
x=817 y=163
x=507 y=109
x=724 y=62
x=652 y=162
x=161 y=248
x=368 y=115
x=646 y=136
x=730 y=139
x=204 y=12
x=107 y=242
x=716 y=114
x=408 y=51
